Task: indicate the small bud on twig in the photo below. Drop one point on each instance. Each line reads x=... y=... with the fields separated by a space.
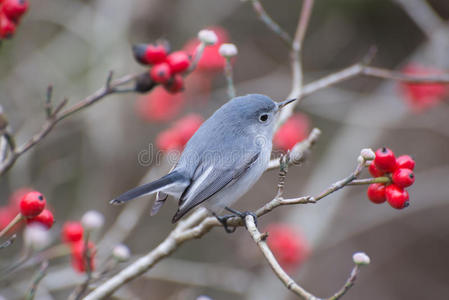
x=121 y=252
x=361 y=258
x=367 y=154
x=92 y=220
x=228 y=50
x=207 y=37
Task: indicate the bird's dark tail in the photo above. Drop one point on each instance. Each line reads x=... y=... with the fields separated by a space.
x=149 y=188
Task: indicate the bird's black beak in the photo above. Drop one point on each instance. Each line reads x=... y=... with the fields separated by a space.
x=284 y=103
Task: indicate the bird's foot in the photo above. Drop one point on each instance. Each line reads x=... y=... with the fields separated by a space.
x=242 y=215
x=223 y=220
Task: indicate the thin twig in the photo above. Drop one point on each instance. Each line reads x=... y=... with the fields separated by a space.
x=260 y=240
x=299 y=151
x=295 y=61
x=8 y=242
x=270 y=23
x=37 y=279
x=87 y=256
x=229 y=78
x=348 y=284
x=196 y=57
x=423 y=15
x=58 y=115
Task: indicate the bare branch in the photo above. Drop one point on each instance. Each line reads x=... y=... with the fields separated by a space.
x=422 y=14
x=39 y=276
x=299 y=151
x=260 y=240
x=270 y=23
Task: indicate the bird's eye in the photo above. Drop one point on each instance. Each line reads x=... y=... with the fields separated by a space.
x=263 y=117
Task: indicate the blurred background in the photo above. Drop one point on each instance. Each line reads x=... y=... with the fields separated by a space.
x=101 y=152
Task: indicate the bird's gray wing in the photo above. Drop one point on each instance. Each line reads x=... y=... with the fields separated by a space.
x=209 y=182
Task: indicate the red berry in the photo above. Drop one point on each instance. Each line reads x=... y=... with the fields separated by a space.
x=175 y=84
x=72 y=232
x=376 y=193
x=405 y=162
x=161 y=73
x=403 y=177
x=385 y=160
x=178 y=61
x=155 y=54
x=78 y=256
x=289 y=246
x=293 y=131
x=14 y=9
x=187 y=126
x=32 y=204
x=397 y=197
x=45 y=218
x=7 y=27
x=374 y=171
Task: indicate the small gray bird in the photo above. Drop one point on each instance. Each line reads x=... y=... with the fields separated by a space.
x=221 y=162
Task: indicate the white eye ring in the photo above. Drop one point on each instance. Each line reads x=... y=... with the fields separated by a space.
x=263 y=118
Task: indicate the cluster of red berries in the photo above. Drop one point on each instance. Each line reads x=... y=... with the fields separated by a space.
x=31 y=205
x=72 y=235
x=10 y=13
x=179 y=134
x=288 y=246
x=166 y=68
x=291 y=132
x=400 y=172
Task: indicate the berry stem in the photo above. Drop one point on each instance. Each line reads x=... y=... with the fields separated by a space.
x=229 y=78
x=383 y=179
x=11 y=224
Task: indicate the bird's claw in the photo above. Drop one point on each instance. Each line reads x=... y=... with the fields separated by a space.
x=243 y=215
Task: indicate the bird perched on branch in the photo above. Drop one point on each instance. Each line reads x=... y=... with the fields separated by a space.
x=221 y=162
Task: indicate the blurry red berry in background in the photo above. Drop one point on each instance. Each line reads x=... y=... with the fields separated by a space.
x=32 y=204
x=403 y=177
x=14 y=9
x=176 y=137
x=161 y=73
x=397 y=197
x=293 y=131
x=169 y=140
x=376 y=193
x=14 y=199
x=159 y=105
x=45 y=218
x=405 y=162
x=175 y=84
x=178 y=61
x=78 y=256
x=7 y=27
x=187 y=126
x=211 y=60
x=288 y=246
x=385 y=160
x=72 y=232
x=423 y=96
x=6 y=216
